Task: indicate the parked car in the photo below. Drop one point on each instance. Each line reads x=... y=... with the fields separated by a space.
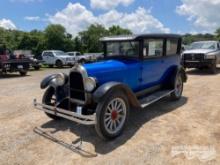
x=11 y=63
x=35 y=63
x=137 y=71
x=203 y=54
x=82 y=58
x=57 y=58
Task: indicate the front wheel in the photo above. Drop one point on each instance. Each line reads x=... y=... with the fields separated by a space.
x=23 y=72
x=178 y=88
x=213 y=68
x=49 y=98
x=112 y=114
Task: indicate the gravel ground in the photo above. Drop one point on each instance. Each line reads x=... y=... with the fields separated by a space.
x=182 y=132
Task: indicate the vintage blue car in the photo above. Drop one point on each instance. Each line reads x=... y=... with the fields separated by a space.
x=137 y=71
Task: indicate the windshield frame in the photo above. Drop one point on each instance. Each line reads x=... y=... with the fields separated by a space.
x=135 y=56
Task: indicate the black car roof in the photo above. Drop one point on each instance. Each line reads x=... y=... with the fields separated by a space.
x=139 y=36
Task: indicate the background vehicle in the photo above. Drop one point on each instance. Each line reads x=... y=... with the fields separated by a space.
x=34 y=63
x=12 y=63
x=203 y=54
x=57 y=58
x=82 y=58
x=137 y=71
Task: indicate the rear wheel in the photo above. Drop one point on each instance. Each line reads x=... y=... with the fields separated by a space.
x=178 y=87
x=82 y=61
x=112 y=114
x=59 y=64
x=37 y=67
x=49 y=98
x=23 y=72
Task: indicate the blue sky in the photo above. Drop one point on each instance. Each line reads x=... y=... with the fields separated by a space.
x=176 y=16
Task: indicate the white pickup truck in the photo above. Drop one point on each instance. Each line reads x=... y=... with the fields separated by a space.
x=82 y=58
x=57 y=58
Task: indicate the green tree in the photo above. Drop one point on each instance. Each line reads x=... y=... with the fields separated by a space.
x=117 y=30
x=55 y=37
x=90 y=38
x=217 y=34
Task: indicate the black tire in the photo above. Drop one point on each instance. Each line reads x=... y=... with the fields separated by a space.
x=49 y=93
x=82 y=61
x=59 y=64
x=178 y=87
x=213 y=68
x=23 y=72
x=37 y=67
x=101 y=113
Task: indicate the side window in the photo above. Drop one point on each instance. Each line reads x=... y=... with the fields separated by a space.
x=50 y=54
x=218 y=45
x=172 y=45
x=78 y=54
x=153 y=48
x=45 y=54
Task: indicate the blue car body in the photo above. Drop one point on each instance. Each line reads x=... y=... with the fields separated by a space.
x=137 y=74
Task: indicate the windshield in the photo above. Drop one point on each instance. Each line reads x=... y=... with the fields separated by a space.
x=60 y=53
x=124 y=48
x=203 y=45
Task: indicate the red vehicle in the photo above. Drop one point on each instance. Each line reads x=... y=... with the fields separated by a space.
x=11 y=63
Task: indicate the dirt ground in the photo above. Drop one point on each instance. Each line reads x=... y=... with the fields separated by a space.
x=182 y=132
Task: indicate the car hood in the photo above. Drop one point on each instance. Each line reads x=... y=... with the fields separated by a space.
x=198 y=51
x=110 y=70
x=105 y=66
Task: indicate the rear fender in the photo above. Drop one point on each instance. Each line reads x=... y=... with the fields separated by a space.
x=107 y=88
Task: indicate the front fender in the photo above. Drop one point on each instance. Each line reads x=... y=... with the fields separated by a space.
x=46 y=81
x=109 y=87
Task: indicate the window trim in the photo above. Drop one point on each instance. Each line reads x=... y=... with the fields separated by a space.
x=177 y=51
x=153 y=57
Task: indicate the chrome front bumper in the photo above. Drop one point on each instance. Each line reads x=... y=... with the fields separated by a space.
x=73 y=116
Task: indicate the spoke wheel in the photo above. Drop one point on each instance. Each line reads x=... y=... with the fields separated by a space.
x=112 y=114
x=115 y=115
x=178 y=88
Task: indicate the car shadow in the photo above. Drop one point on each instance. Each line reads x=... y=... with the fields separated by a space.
x=202 y=72
x=12 y=75
x=136 y=120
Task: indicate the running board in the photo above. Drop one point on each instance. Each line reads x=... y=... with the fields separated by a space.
x=154 y=97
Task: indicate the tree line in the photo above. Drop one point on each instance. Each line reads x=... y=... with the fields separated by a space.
x=56 y=37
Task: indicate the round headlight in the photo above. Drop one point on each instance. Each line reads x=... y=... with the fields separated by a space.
x=59 y=80
x=90 y=84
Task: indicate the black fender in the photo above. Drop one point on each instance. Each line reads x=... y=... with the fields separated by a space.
x=107 y=88
x=182 y=71
x=46 y=81
x=179 y=70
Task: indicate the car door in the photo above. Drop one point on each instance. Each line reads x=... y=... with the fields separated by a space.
x=51 y=58
x=153 y=62
x=45 y=57
x=172 y=57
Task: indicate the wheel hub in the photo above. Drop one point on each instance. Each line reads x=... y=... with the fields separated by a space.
x=114 y=115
